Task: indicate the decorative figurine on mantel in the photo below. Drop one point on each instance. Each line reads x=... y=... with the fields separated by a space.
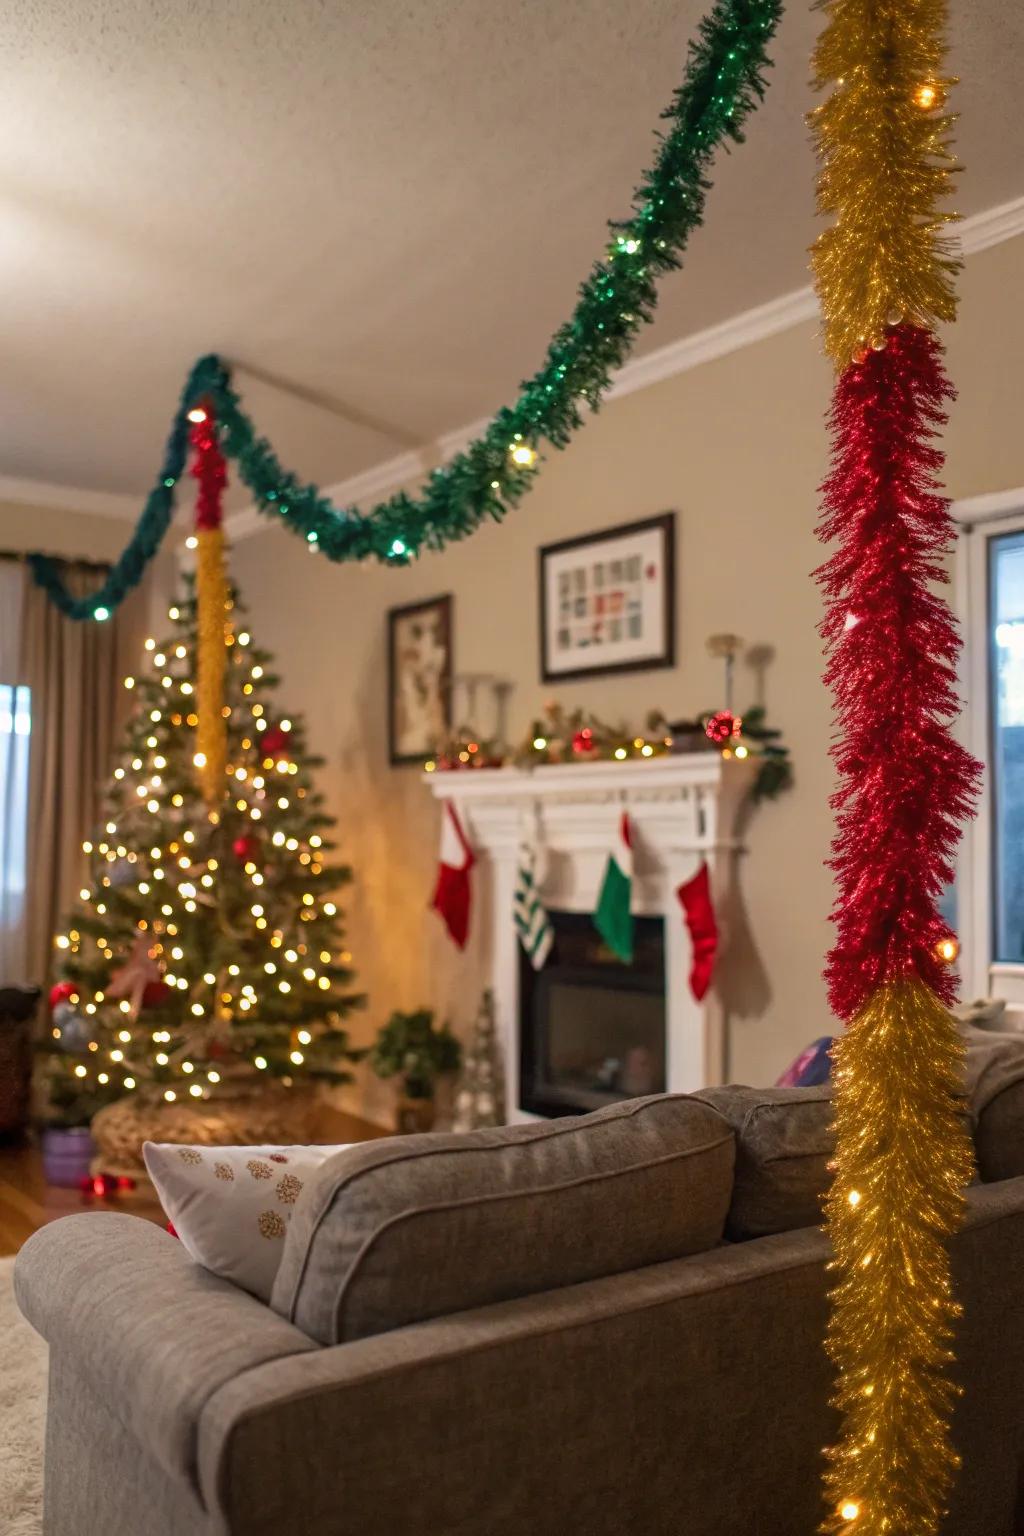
x=480 y=1096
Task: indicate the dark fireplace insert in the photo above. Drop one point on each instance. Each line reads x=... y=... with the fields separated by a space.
x=591 y=1029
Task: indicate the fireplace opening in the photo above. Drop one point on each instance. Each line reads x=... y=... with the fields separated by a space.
x=591 y=1029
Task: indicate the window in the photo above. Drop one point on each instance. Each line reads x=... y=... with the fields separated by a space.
x=15 y=731
x=990 y=876
x=1006 y=713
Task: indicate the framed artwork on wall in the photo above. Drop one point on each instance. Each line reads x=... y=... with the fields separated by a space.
x=607 y=601
x=419 y=678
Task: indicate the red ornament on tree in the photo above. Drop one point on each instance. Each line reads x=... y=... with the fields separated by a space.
x=275 y=741
x=583 y=742
x=62 y=992
x=722 y=727
x=155 y=993
x=246 y=848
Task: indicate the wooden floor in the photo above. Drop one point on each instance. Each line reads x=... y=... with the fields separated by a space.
x=27 y=1202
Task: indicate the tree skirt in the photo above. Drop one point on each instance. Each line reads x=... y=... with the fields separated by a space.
x=22 y=1415
x=268 y=1115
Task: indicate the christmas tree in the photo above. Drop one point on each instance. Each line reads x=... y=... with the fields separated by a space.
x=206 y=948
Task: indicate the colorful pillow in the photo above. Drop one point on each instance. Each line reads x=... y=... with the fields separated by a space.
x=231 y=1206
x=812 y=1067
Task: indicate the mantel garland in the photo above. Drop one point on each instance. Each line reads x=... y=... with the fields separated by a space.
x=724 y=79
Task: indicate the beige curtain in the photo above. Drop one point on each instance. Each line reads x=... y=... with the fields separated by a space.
x=73 y=673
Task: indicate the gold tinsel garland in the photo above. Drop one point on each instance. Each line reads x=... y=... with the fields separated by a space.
x=883 y=139
x=213 y=601
x=903 y=1152
x=904 y=1157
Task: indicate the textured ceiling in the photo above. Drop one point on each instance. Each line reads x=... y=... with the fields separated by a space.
x=392 y=203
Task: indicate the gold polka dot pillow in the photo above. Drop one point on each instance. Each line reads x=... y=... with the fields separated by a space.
x=231 y=1206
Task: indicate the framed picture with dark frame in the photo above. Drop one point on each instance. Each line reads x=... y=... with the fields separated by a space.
x=419 y=679
x=607 y=601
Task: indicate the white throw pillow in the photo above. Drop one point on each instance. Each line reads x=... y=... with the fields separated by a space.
x=231 y=1205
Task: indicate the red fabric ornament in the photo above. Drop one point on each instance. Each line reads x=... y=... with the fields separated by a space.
x=274 y=741
x=62 y=992
x=155 y=993
x=722 y=727
x=905 y=784
x=209 y=469
x=695 y=899
x=246 y=848
x=583 y=742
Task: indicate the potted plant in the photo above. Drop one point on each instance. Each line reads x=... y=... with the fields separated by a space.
x=412 y=1048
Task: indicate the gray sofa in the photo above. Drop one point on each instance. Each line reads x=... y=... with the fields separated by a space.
x=604 y=1325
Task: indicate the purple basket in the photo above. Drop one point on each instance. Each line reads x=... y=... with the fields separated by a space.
x=67 y=1156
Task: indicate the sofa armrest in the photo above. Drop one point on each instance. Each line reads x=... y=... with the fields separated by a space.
x=153 y=1332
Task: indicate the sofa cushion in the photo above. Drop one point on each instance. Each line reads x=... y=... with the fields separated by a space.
x=995 y=1086
x=784 y=1144
x=396 y=1231
x=231 y=1206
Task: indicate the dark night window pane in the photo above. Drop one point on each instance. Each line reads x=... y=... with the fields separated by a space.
x=1006 y=611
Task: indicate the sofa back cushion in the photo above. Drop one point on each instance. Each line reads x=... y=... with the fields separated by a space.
x=995 y=1086
x=784 y=1144
x=397 y=1231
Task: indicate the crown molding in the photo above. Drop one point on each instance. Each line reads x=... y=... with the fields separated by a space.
x=988 y=507
x=67 y=498
x=727 y=336
x=977 y=233
x=991 y=227
x=370 y=484
x=680 y=356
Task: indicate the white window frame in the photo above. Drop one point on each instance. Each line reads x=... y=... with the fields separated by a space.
x=978 y=519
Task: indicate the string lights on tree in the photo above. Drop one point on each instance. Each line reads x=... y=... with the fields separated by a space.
x=205 y=949
x=884 y=275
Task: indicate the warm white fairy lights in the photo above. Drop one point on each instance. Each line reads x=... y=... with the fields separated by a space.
x=190 y=890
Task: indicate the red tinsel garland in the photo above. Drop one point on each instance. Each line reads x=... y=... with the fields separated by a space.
x=905 y=783
x=209 y=469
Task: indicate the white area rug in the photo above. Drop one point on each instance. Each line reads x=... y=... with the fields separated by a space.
x=22 y=1415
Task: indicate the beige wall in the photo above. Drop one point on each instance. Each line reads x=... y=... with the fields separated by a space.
x=738 y=448
x=60 y=531
x=88 y=536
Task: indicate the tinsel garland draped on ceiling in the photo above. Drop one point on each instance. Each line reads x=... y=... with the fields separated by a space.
x=884 y=275
x=724 y=78
x=213 y=606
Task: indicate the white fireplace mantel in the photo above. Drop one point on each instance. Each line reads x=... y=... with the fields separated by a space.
x=683 y=809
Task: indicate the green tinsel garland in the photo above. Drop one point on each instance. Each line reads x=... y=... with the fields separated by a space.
x=724 y=76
